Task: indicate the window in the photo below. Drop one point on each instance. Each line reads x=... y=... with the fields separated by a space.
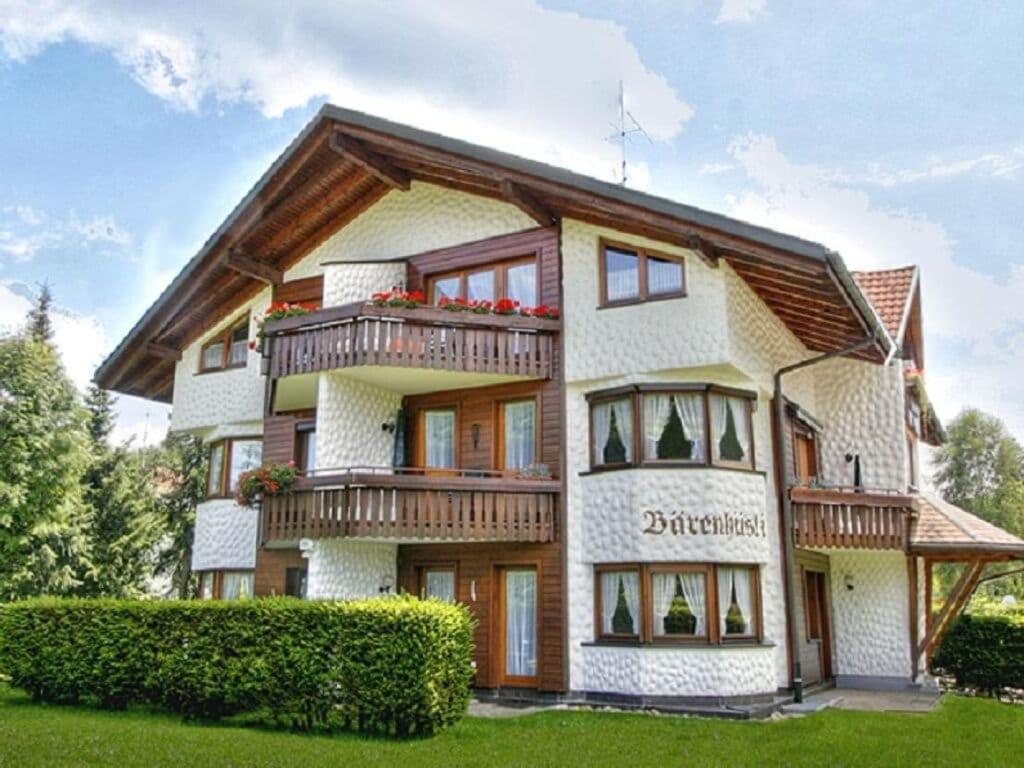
x=612 y=430
x=679 y=424
x=226 y=585
x=438 y=583
x=618 y=603
x=295 y=582
x=630 y=275
x=517 y=427
x=438 y=436
x=228 y=349
x=516 y=280
x=305 y=447
x=228 y=460
x=677 y=602
x=730 y=430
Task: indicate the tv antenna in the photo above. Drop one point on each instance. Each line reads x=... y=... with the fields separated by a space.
x=627 y=126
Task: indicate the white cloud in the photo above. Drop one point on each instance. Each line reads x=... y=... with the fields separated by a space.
x=102 y=229
x=1001 y=165
x=976 y=316
x=741 y=11
x=507 y=73
x=714 y=169
x=26 y=231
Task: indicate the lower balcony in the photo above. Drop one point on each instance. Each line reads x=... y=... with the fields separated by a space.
x=850 y=518
x=411 y=505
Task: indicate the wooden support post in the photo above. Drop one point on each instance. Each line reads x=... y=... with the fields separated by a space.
x=913 y=604
x=527 y=202
x=954 y=603
x=927 y=595
x=378 y=165
x=253 y=268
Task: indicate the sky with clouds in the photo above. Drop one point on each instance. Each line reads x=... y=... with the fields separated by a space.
x=892 y=132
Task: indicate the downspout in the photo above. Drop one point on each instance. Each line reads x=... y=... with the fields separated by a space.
x=788 y=541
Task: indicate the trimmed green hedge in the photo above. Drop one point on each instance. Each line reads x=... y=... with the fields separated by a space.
x=984 y=649
x=394 y=665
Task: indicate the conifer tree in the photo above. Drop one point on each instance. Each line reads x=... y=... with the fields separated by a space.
x=40 y=327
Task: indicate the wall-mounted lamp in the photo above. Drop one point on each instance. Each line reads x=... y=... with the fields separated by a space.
x=388 y=426
x=475 y=431
x=848 y=582
x=472 y=590
x=386 y=582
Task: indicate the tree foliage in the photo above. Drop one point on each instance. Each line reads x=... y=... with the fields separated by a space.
x=181 y=484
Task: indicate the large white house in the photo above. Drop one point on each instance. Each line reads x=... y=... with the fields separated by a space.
x=679 y=466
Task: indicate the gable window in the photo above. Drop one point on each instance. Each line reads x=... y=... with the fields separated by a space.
x=516 y=280
x=612 y=432
x=730 y=431
x=228 y=349
x=674 y=426
x=228 y=460
x=631 y=275
x=618 y=603
x=517 y=427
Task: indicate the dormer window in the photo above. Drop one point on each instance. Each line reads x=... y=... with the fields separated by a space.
x=632 y=275
x=228 y=349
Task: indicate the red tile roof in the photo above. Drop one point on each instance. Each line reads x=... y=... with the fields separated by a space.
x=889 y=291
x=940 y=525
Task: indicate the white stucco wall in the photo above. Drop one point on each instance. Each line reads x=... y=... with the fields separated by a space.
x=341 y=569
x=870 y=621
x=349 y=282
x=219 y=398
x=225 y=536
x=349 y=416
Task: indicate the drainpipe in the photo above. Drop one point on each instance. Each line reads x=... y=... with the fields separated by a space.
x=788 y=541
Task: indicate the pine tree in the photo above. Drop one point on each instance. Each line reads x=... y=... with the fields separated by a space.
x=614 y=449
x=622 y=619
x=43 y=453
x=680 y=619
x=729 y=447
x=40 y=327
x=181 y=481
x=673 y=443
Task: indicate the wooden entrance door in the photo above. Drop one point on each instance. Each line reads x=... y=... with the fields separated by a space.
x=816 y=656
x=517 y=636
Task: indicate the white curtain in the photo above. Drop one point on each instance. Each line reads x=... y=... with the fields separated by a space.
x=245 y=455
x=744 y=597
x=236 y=585
x=624 y=421
x=691 y=413
x=631 y=587
x=622 y=274
x=738 y=406
x=725 y=580
x=610 y=582
x=720 y=405
x=656 y=413
x=440 y=439
x=441 y=584
x=521 y=623
x=602 y=429
x=522 y=284
x=694 y=590
x=664 y=588
x=207 y=585
x=520 y=419
x=663 y=276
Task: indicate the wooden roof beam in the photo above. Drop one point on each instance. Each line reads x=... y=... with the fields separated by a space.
x=164 y=352
x=705 y=250
x=253 y=268
x=527 y=202
x=356 y=152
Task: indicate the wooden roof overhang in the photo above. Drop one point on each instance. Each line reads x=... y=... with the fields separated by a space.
x=344 y=161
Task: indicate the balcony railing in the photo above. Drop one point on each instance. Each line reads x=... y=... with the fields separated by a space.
x=458 y=505
x=426 y=337
x=850 y=519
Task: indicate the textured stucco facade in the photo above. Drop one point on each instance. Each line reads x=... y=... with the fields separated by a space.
x=340 y=569
x=225 y=537
x=349 y=419
x=350 y=282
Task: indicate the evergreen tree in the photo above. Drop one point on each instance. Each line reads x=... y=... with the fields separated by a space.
x=729 y=447
x=181 y=485
x=673 y=443
x=124 y=524
x=680 y=619
x=43 y=453
x=614 y=449
x=622 y=619
x=40 y=327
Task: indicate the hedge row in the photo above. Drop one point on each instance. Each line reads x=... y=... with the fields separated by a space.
x=395 y=665
x=984 y=649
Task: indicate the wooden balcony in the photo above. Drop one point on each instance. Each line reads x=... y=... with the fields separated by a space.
x=844 y=518
x=426 y=337
x=412 y=506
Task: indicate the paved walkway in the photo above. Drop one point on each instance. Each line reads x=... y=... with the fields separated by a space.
x=866 y=701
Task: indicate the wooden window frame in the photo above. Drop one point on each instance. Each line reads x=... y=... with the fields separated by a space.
x=423 y=568
x=499 y=430
x=420 y=443
x=218 y=581
x=299 y=569
x=643 y=292
x=641 y=620
x=500 y=270
x=224 y=338
x=223 y=491
x=302 y=430
x=636 y=392
x=714 y=636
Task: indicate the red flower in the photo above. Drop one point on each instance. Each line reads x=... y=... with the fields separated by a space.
x=252 y=344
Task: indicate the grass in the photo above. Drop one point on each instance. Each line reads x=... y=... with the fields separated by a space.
x=960 y=732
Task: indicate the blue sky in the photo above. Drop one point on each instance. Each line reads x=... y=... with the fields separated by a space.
x=892 y=132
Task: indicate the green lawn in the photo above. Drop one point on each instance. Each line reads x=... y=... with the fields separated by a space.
x=964 y=732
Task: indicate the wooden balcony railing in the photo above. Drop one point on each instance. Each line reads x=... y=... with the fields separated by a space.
x=832 y=518
x=363 y=334
x=379 y=504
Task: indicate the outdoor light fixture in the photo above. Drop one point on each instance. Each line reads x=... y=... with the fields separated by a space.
x=475 y=430
x=848 y=581
x=472 y=590
x=388 y=426
x=386 y=582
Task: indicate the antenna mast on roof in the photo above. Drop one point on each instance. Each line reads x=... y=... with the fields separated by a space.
x=627 y=126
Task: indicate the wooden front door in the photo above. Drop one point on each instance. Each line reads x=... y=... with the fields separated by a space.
x=516 y=635
x=816 y=655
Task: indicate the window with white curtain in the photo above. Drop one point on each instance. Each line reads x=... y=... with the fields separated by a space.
x=206 y=585
x=480 y=286
x=245 y=455
x=521 y=284
x=519 y=420
x=439 y=438
x=735 y=602
x=621 y=275
x=236 y=585
x=674 y=428
x=613 y=432
x=679 y=604
x=730 y=434
x=663 y=276
x=439 y=583
x=620 y=603
x=630 y=275
x=215 y=478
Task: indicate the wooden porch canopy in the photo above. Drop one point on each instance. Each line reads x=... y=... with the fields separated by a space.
x=344 y=161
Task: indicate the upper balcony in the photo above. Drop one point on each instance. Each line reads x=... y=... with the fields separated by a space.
x=850 y=518
x=359 y=335
x=414 y=505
